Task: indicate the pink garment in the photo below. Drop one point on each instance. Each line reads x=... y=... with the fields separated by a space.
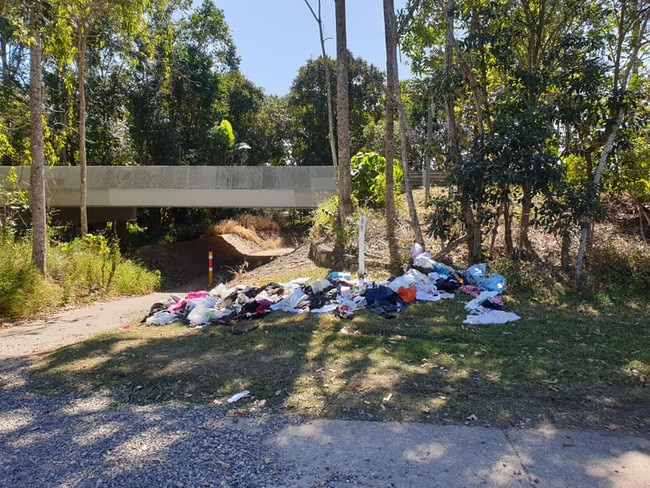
x=472 y=290
x=180 y=305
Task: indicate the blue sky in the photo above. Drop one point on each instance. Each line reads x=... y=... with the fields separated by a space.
x=274 y=38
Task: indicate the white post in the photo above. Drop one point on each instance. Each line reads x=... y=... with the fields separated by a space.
x=362 y=236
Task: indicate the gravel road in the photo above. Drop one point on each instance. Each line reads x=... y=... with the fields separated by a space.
x=87 y=441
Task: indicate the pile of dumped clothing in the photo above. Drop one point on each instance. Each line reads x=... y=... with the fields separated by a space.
x=424 y=280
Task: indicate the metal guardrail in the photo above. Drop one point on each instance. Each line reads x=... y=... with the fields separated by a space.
x=435 y=178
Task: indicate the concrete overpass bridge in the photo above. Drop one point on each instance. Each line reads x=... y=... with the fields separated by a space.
x=115 y=191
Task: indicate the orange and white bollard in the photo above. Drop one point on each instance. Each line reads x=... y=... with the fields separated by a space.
x=210 y=268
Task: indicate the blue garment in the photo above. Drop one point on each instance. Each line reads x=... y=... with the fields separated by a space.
x=495 y=282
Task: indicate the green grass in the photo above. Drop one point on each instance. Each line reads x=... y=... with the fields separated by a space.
x=575 y=361
x=78 y=272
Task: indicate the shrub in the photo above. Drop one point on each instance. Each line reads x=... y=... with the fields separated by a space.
x=326 y=224
x=369 y=178
x=78 y=271
x=611 y=266
x=24 y=292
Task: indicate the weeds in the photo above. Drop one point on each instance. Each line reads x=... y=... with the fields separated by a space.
x=80 y=271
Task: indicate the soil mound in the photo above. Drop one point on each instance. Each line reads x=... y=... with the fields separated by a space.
x=184 y=262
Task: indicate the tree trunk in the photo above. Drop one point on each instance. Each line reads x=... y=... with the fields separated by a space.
x=426 y=174
x=524 y=221
x=391 y=209
x=566 y=246
x=328 y=82
x=343 y=115
x=83 y=185
x=633 y=17
x=390 y=24
x=474 y=238
x=507 y=224
x=586 y=225
x=37 y=177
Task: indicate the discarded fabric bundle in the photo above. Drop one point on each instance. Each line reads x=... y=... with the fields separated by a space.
x=425 y=280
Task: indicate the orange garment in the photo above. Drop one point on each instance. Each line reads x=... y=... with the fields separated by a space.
x=406 y=294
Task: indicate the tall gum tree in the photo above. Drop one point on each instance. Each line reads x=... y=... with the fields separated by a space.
x=391 y=68
x=316 y=13
x=76 y=20
x=630 y=23
x=37 y=176
x=343 y=114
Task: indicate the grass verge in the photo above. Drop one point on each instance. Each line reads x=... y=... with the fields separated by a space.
x=579 y=361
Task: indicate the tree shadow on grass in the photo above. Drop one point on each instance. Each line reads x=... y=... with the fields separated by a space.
x=126 y=394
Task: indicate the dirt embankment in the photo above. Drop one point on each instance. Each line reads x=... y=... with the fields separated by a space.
x=187 y=261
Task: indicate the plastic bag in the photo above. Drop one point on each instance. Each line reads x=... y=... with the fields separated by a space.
x=162 y=318
x=416 y=250
x=200 y=315
x=495 y=282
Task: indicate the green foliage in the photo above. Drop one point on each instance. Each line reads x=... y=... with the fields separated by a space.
x=613 y=268
x=226 y=129
x=369 y=178
x=24 y=292
x=326 y=223
x=308 y=108
x=82 y=270
x=529 y=278
x=14 y=202
x=444 y=222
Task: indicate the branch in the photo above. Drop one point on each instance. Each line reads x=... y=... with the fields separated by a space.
x=406 y=20
x=450 y=247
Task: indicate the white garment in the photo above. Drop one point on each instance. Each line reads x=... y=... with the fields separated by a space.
x=493 y=317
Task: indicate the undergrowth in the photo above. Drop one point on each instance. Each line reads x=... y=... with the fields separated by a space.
x=83 y=270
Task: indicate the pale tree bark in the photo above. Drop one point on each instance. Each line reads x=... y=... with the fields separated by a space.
x=390 y=209
x=426 y=173
x=37 y=176
x=467 y=71
x=328 y=81
x=343 y=114
x=474 y=237
x=633 y=22
x=390 y=24
x=83 y=184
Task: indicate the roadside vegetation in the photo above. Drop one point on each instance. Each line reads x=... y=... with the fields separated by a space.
x=81 y=271
x=533 y=115
x=578 y=358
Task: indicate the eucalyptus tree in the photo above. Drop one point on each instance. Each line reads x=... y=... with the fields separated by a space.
x=344 y=186
x=390 y=209
x=37 y=144
x=307 y=105
x=76 y=20
x=630 y=37
x=316 y=13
